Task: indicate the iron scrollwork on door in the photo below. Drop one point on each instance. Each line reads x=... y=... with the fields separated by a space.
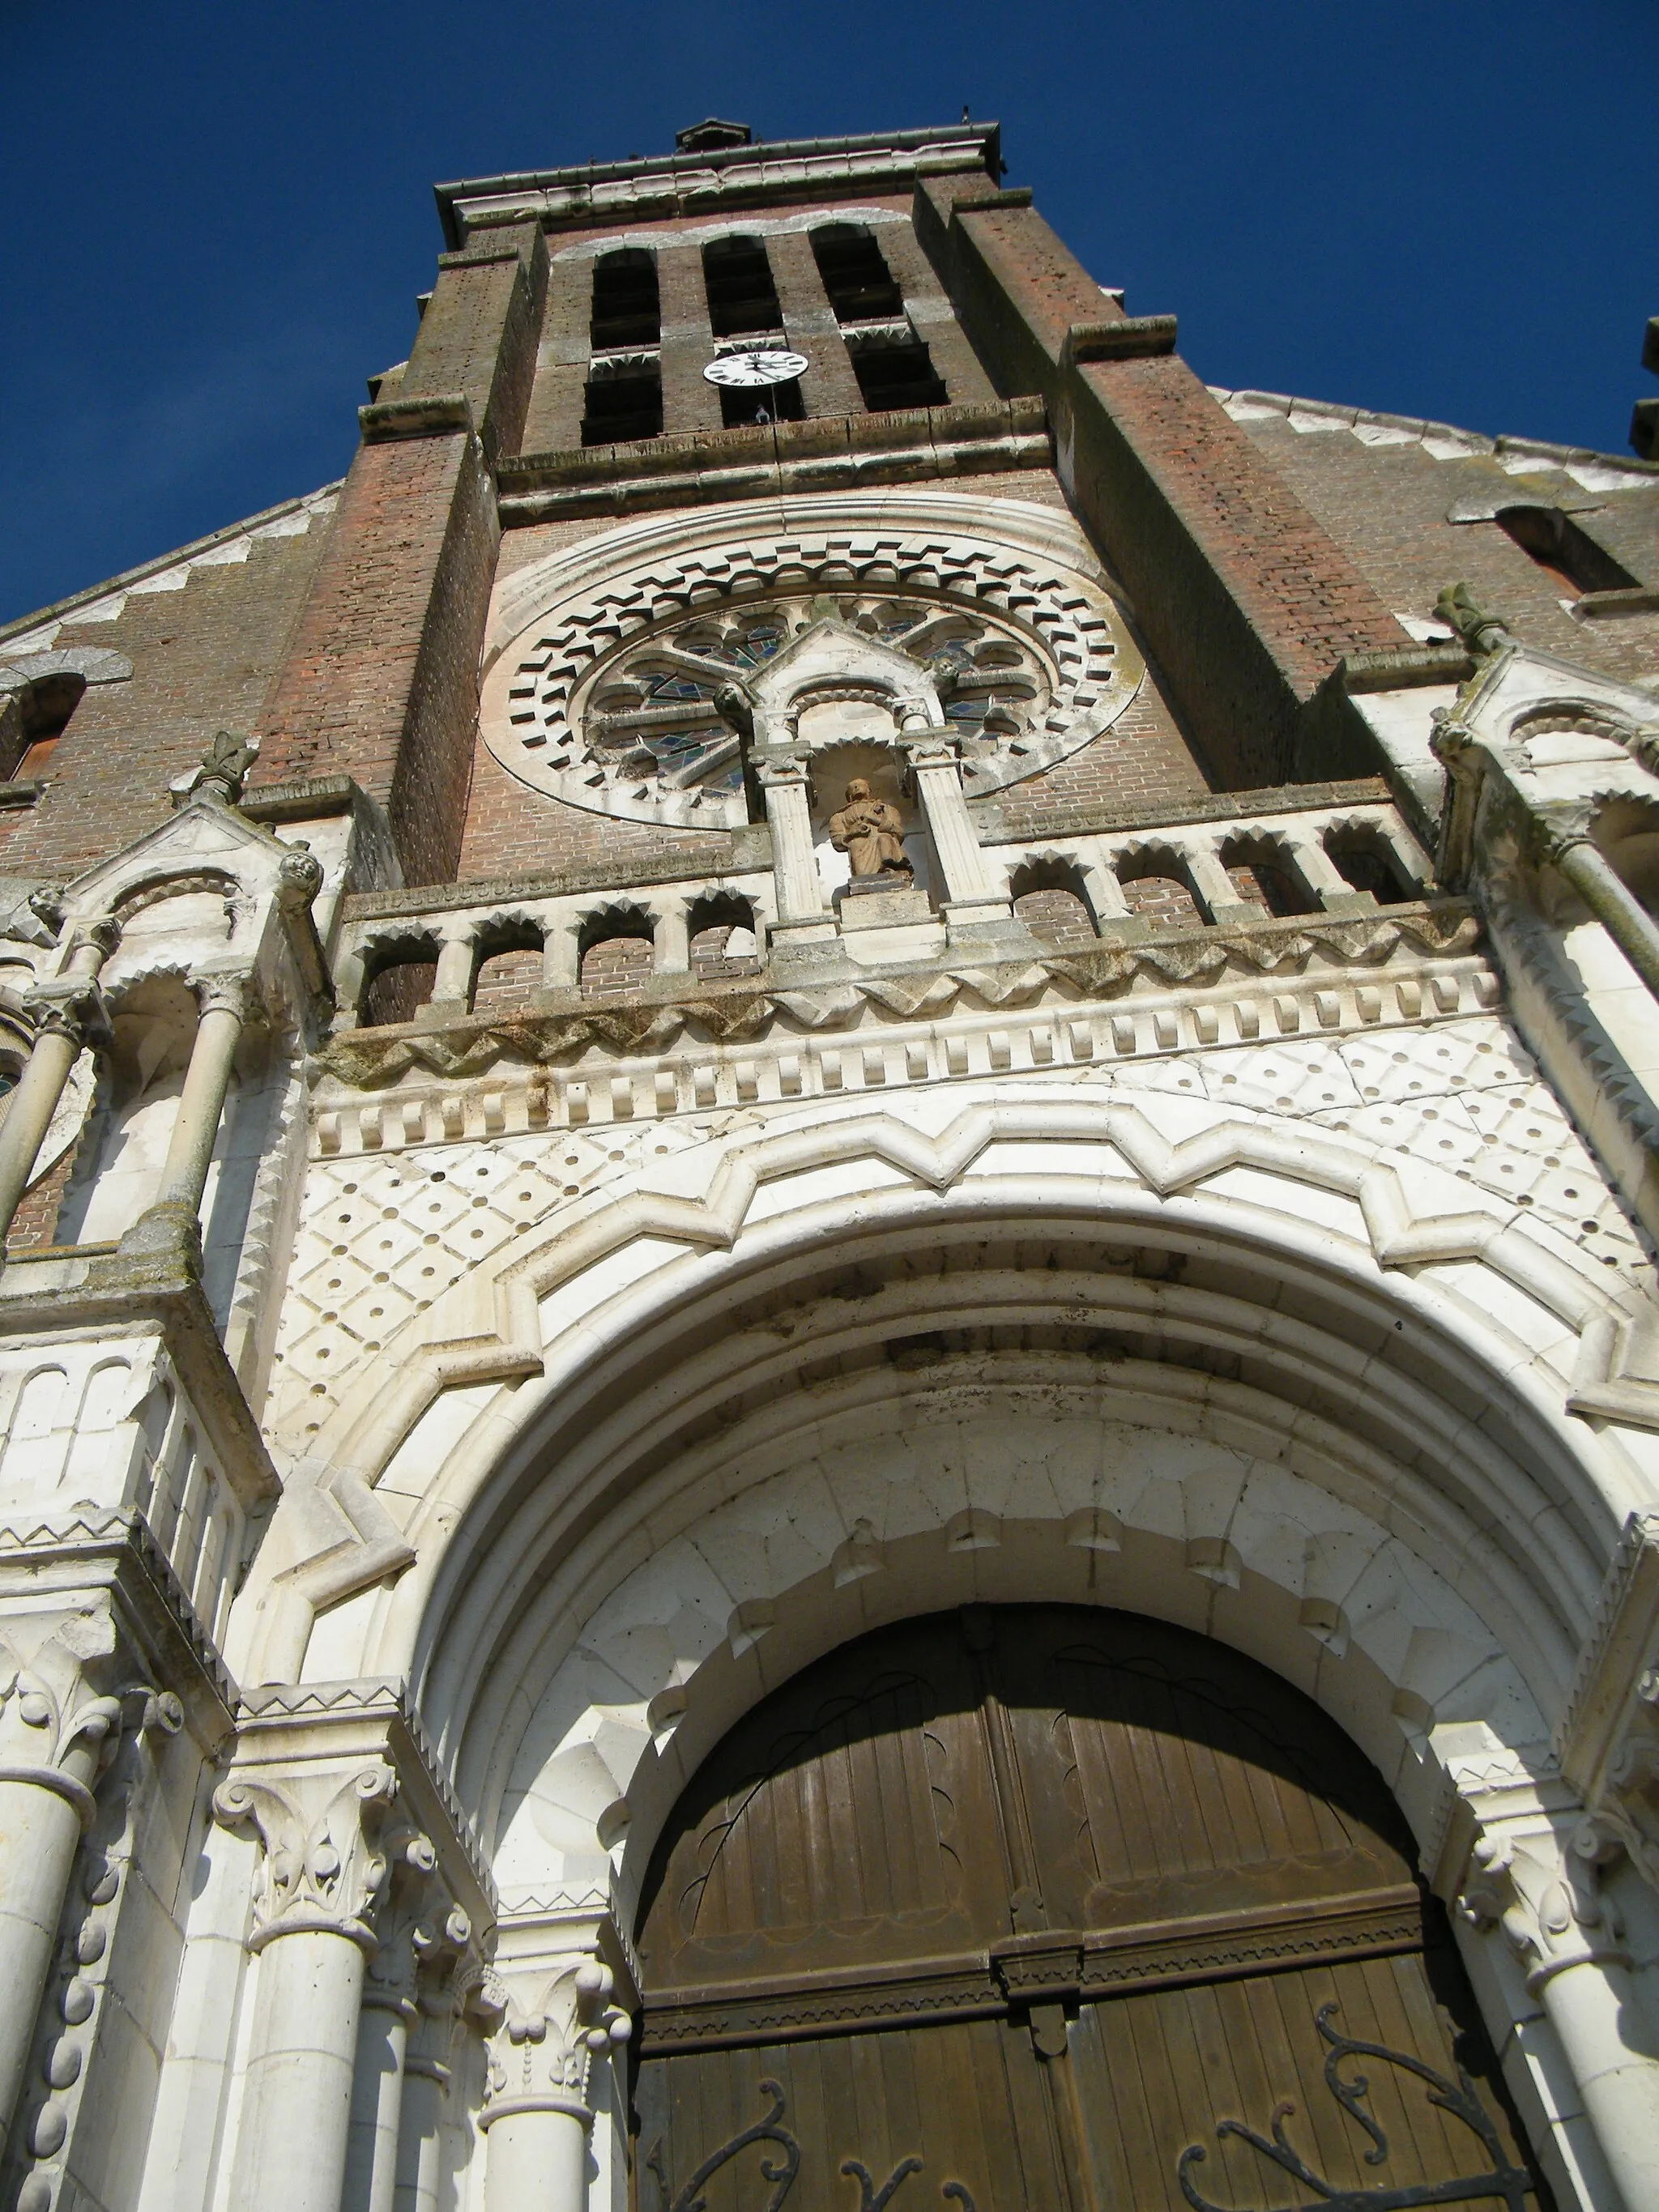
x=1502 y=2181
x=780 y=2172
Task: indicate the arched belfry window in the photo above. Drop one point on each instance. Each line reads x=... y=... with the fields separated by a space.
x=893 y=366
x=624 y=398
x=855 y=272
x=743 y=300
x=626 y=308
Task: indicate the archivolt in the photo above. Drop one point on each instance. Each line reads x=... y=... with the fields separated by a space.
x=681 y=1333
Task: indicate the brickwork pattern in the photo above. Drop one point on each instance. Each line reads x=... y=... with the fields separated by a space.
x=553 y=419
x=34 y=1224
x=688 y=342
x=513 y=831
x=203 y=659
x=478 y=337
x=1143 y=761
x=1388 y=505
x=1306 y=599
x=381 y=681
x=828 y=387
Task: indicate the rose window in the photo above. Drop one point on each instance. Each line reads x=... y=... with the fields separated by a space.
x=634 y=695
x=652 y=710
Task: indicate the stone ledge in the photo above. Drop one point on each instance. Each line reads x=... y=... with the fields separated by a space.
x=1083 y=818
x=440 y=415
x=1111 y=999
x=1135 y=338
x=301 y=801
x=824 y=454
x=1404 y=668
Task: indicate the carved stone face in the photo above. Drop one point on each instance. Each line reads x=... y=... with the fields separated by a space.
x=857 y=789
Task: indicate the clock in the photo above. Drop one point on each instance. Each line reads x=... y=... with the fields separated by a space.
x=760 y=366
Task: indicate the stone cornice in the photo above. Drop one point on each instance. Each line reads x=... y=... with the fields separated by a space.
x=1311 y=973
x=833 y=452
x=783 y=168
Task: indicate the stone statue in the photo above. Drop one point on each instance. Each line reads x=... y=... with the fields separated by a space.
x=733 y=704
x=867 y=831
x=1482 y=633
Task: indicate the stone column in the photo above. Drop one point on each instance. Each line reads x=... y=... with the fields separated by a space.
x=1604 y=891
x=353 y=1821
x=171 y=1219
x=68 y=1013
x=452 y=987
x=1538 y=1884
x=441 y=1998
x=422 y=1930
x=973 y=902
x=562 y=954
x=671 y=943
x=538 y=2117
x=322 y=1874
x=802 y=912
x=61 y=1722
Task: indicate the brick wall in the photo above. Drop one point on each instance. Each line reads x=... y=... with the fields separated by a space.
x=1388 y=506
x=203 y=658
x=385 y=654
x=1246 y=599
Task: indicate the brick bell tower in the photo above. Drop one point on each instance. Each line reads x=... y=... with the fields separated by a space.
x=827 y=1331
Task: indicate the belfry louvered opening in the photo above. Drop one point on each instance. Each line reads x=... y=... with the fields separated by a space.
x=626 y=308
x=742 y=296
x=855 y=274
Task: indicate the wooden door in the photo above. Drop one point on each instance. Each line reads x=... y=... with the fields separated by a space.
x=1048 y=1906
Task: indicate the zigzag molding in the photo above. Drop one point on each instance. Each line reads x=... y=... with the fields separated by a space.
x=486 y=1328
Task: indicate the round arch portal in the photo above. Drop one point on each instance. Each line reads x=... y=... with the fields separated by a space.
x=1020 y=1905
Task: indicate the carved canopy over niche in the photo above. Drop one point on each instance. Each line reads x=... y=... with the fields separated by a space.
x=625 y=695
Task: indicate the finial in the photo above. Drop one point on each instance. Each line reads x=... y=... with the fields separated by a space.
x=224 y=771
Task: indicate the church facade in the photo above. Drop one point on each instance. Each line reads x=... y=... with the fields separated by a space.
x=829 y=1353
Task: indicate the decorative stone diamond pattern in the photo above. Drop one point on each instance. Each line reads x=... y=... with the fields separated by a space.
x=1462 y=1095
x=383 y=1234
x=530 y=717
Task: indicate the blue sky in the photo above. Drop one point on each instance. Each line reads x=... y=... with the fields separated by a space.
x=218 y=217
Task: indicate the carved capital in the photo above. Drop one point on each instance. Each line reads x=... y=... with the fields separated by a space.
x=425 y=1936
x=781 y=771
x=66 y=1703
x=551 y=2034
x=102 y=934
x=325 y=1868
x=1542 y=1887
x=225 y=993
x=72 y=1008
x=361 y=1834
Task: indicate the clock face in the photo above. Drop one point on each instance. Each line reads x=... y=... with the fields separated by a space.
x=763 y=366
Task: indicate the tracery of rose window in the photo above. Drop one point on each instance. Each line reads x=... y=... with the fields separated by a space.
x=651 y=708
